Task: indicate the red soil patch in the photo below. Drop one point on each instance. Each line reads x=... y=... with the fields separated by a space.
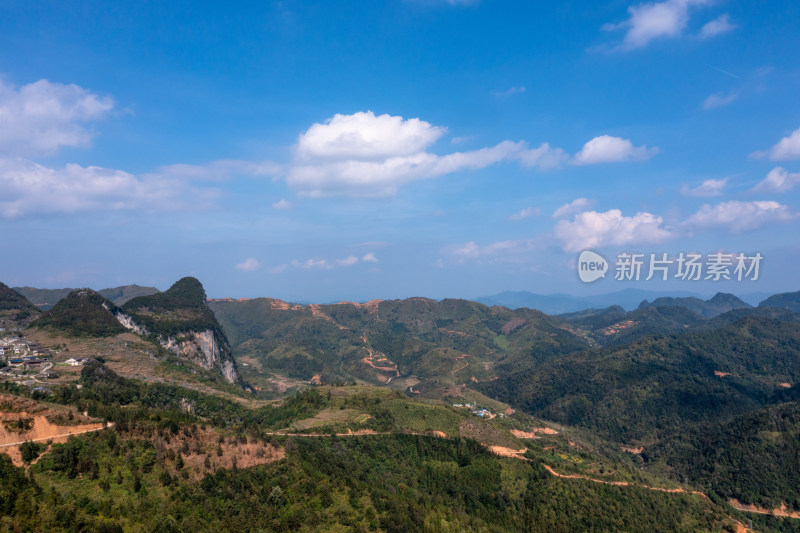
x=502 y=451
x=511 y=325
x=624 y=483
x=721 y=374
x=384 y=364
x=361 y=432
x=524 y=434
x=459 y=369
x=631 y=449
x=42 y=431
x=785 y=385
x=281 y=385
x=616 y=328
x=203 y=452
x=781 y=511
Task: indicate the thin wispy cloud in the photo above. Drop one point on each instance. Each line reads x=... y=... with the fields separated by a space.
x=249 y=265
x=575 y=206
x=317 y=263
x=778 y=180
x=654 y=20
x=710 y=187
x=731 y=74
x=785 y=149
x=520 y=89
x=718 y=100
x=526 y=213
x=736 y=216
x=496 y=252
x=220 y=170
x=718 y=26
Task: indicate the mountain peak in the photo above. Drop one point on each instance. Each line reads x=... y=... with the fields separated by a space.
x=82 y=313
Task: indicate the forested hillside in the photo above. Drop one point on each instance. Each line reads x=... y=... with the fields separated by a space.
x=434 y=344
x=221 y=466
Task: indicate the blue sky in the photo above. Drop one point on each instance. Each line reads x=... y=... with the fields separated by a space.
x=322 y=151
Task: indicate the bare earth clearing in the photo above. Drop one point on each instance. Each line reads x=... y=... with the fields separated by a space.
x=36 y=425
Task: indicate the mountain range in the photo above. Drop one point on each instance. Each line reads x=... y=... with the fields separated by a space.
x=628 y=299
x=679 y=390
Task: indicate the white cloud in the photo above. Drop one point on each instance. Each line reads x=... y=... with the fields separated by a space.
x=41 y=117
x=365 y=136
x=322 y=264
x=575 y=206
x=718 y=26
x=249 y=265
x=528 y=212
x=707 y=188
x=654 y=20
x=544 y=157
x=30 y=188
x=282 y=205
x=347 y=261
x=369 y=258
x=778 y=180
x=501 y=251
x=718 y=100
x=786 y=148
x=509 y=92
x=739 y=216
x=607 y=149
x=368 y=178
x=591 y=229
x=365 y=155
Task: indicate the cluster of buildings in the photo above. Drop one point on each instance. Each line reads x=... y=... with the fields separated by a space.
x=481 y=412
x=18 y=352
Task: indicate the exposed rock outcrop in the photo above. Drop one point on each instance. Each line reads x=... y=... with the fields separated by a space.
x=181 y=322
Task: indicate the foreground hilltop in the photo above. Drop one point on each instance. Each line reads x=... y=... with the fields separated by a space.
x=177 y=321
x=82 y=313
x=180 y=321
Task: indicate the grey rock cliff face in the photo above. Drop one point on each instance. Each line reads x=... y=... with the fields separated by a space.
x=202 y=348
x=198 y=347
